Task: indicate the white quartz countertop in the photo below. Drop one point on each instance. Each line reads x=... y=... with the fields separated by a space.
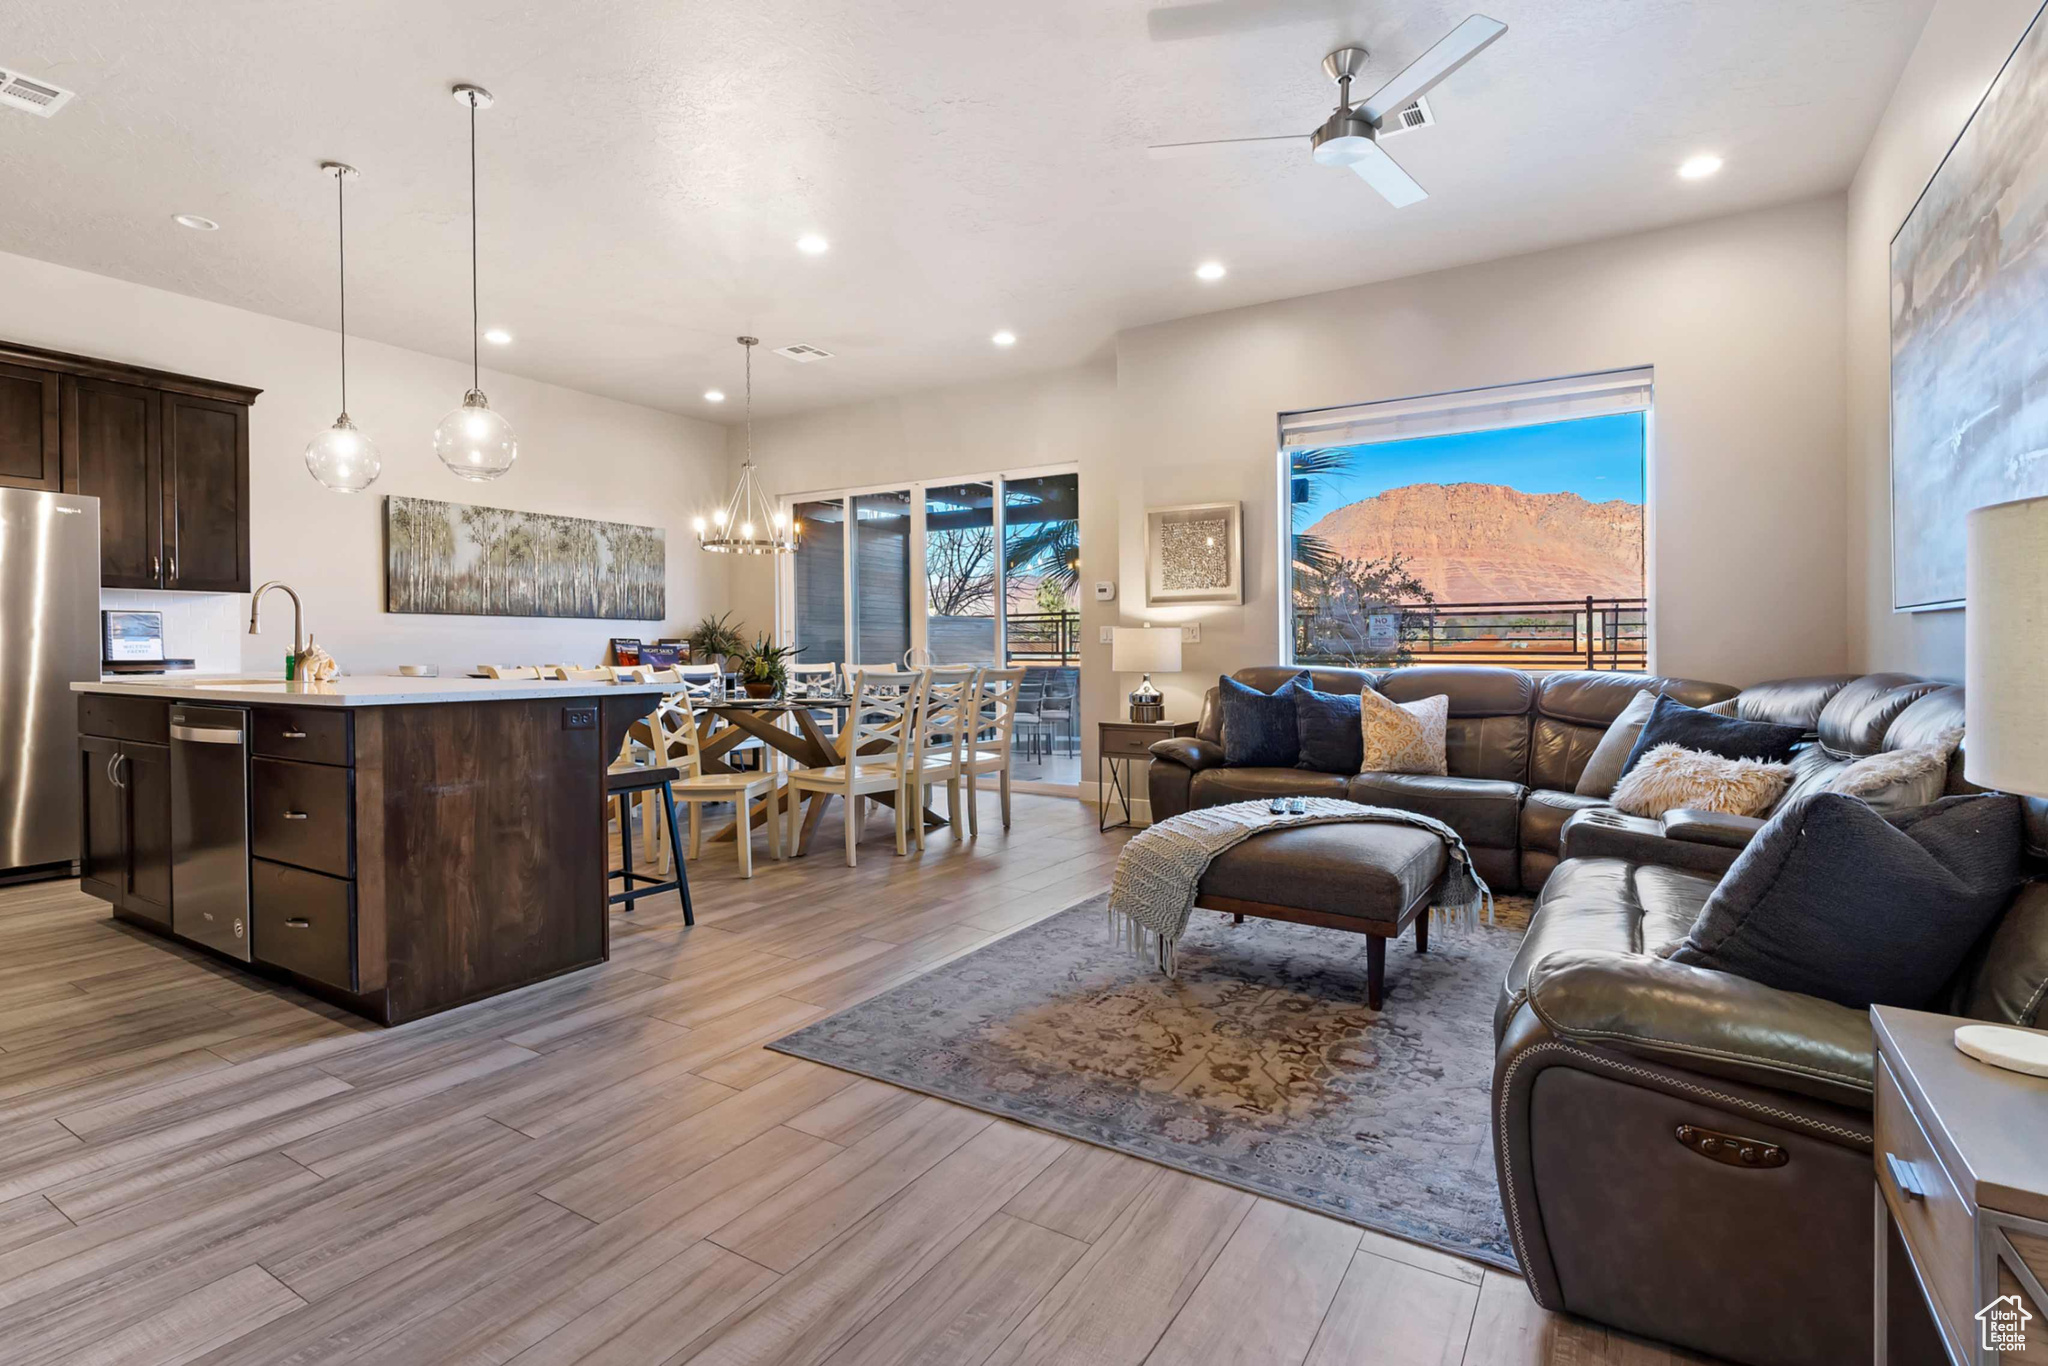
x=354 y=691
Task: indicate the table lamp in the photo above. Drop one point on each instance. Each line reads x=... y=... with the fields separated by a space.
x=1141 y=650
x=2005 y=651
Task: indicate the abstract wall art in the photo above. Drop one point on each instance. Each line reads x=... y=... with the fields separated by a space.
x=1194 y=554
x=462 y=560
x=1969 y=333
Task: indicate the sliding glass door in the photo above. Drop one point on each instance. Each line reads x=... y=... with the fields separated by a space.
x=960 y=621
x=880 y=578
x=818 y=569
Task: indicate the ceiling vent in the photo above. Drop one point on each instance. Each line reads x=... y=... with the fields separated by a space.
x=38 y=97
x=1409 y=117
x=802 y=353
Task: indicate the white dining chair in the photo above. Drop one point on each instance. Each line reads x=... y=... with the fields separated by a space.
x=875 y=751
x=989 y=750
x=513 y=671
x=943 y=723
x=677 y=742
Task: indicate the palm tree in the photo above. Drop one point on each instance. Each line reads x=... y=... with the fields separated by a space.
x=1306 y=470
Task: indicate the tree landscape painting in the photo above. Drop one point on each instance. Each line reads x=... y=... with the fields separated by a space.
x=461 y=560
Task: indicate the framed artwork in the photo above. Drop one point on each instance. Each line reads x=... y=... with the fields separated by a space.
x=1194 y=554
x=461 y=560
x=1969 y=325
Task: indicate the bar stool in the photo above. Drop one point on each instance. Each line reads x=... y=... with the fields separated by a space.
x=622 y=783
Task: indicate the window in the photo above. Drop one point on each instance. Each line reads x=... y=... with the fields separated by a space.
x=960 y=573
x=819 y=568
x=1494 y=526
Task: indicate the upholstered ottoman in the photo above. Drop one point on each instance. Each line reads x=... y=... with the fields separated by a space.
x=1374 y=880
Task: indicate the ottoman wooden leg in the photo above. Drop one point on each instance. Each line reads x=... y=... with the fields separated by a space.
x=1422 y=931
x=1375 y=969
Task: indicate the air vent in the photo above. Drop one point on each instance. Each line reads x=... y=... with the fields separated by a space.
x=1409 y=117
x=802 y=353
x=38 y=97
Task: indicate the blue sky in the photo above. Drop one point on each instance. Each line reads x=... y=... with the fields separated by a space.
x=1598 y=458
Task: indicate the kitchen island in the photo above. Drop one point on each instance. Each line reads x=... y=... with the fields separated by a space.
x=398 y=846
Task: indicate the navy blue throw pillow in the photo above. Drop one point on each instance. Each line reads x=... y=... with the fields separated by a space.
x=1674 y=723
x=1834 y=900
x=1331 y=732
x=1258 y=728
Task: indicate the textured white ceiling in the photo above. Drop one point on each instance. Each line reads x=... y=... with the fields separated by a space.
x=976 y=165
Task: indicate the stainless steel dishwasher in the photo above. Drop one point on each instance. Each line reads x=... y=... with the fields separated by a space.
x=210 y=828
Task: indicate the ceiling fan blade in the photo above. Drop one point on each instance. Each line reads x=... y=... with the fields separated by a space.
x=1175 y=149
x=1452 y=51
x=1210 y=18
x=1384 y=174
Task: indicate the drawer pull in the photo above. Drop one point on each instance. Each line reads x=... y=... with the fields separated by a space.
x=298 y=922
x=1732 y=1149
x=1905 y=1178
x=295 y=815
x=293 y=734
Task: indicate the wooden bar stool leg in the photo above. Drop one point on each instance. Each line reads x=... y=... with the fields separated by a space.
x=626 y=845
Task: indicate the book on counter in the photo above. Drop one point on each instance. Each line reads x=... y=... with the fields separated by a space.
x=625 y=651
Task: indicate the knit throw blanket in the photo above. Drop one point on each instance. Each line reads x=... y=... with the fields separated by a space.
x=1153 y=892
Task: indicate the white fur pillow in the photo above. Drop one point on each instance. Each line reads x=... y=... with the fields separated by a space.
x=1899 y=779
x=1404 y=737
x=1668 y=778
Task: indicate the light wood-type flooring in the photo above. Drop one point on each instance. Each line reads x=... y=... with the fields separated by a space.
x=196 y=1166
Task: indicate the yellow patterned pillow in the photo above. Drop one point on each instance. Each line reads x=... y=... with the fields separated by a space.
x=1403 y=737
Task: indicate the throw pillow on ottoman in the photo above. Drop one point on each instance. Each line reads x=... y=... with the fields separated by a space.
x=1834 y=900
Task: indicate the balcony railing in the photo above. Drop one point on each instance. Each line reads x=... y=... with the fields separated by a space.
x=1043 y=638
x=1554 y=633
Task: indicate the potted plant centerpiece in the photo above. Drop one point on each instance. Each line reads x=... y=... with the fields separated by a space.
x=764 y=668
x=717 y=641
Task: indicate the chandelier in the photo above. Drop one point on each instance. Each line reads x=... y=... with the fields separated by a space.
x=750 y=523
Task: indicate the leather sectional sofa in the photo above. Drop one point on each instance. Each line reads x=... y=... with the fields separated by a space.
x=1516 y=744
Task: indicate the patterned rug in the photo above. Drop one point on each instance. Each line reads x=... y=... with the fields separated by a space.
x=1259 y=1066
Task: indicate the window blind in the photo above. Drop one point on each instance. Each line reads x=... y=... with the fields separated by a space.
x=1471 y=410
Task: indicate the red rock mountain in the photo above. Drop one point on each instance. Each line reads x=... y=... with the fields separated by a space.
x=1491 y=543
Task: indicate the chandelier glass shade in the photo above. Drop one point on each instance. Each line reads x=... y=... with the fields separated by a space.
x=750 y=522
x=474 y=442
x=341 y=457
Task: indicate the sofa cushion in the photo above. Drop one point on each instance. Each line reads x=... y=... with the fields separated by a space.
x=1855 y=719
x=1317 y=868
x=1834 y=900
x=1603 y=832
x=1668 y=778
x=1328 y=727
x=1575 y=707
x=1402 y=737
x=1674 y=723
x=1791 y=701
x=2008 y=983
x=1488 y=733
x=1604 y=767
x=1258 y=727
x=1544 y=813
x=1485 y=811
x=1604 y=904
x=1215 y=786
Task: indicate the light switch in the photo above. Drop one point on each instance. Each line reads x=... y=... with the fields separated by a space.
x=1191 y=632
x=1106 y=638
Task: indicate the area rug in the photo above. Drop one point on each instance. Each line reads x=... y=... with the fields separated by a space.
x=1259 y=1065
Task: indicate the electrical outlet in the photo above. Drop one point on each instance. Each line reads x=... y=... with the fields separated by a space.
x=1191 y=633
x=1105 y=637
x=579 y=718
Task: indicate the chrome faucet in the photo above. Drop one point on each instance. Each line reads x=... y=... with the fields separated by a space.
x=298 y=618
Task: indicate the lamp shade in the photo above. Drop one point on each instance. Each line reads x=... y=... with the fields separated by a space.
x=1143 y=650
x=2006 y=648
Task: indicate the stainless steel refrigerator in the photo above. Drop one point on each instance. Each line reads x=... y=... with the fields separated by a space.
x=49 y=639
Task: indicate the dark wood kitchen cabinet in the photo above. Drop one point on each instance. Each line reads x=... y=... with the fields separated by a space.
x=126 y=858
x=167 y=455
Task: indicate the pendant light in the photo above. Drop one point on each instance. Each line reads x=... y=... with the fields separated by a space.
x=474 y=442
x=342 y=458
x=750 y=523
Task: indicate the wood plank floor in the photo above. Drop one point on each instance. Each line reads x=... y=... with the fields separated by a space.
x=198 y=1167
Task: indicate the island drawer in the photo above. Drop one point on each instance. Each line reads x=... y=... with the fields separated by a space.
x=124 y=718
x=303 y=922
x=301 y=814
x=314 y=735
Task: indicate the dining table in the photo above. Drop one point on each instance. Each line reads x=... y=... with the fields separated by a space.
x=805 y=740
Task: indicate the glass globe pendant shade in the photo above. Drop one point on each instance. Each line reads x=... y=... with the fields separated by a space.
x=474 y=442
x=343 y=459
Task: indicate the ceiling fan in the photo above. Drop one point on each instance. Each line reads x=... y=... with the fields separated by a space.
x=1350 y=136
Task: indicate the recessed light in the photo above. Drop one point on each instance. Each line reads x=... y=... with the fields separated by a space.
x=195 y=222
x=1211 y=271
x=810 y=244
x=1004 y=338
x=498 y=336
x=714 y=395
x=1700 y=167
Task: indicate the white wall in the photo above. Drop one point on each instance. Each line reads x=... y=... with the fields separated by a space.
x=1959 y=53
x=579 y=455
x=1741 y=316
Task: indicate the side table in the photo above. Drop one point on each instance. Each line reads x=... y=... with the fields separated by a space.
x=1962 y=1175
x=1126 y=743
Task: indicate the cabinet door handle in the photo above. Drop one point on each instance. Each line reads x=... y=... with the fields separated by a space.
x=295 y=815
x=1905 y=1178
x=294 y=735
x=156 y=567
x=298 y=923
x=174 y=565
x=114 y=767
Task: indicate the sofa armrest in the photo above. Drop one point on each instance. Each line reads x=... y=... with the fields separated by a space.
x=1709 y=1022
x=1189 y=752
x=1711 y=827
x=1603 y=832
